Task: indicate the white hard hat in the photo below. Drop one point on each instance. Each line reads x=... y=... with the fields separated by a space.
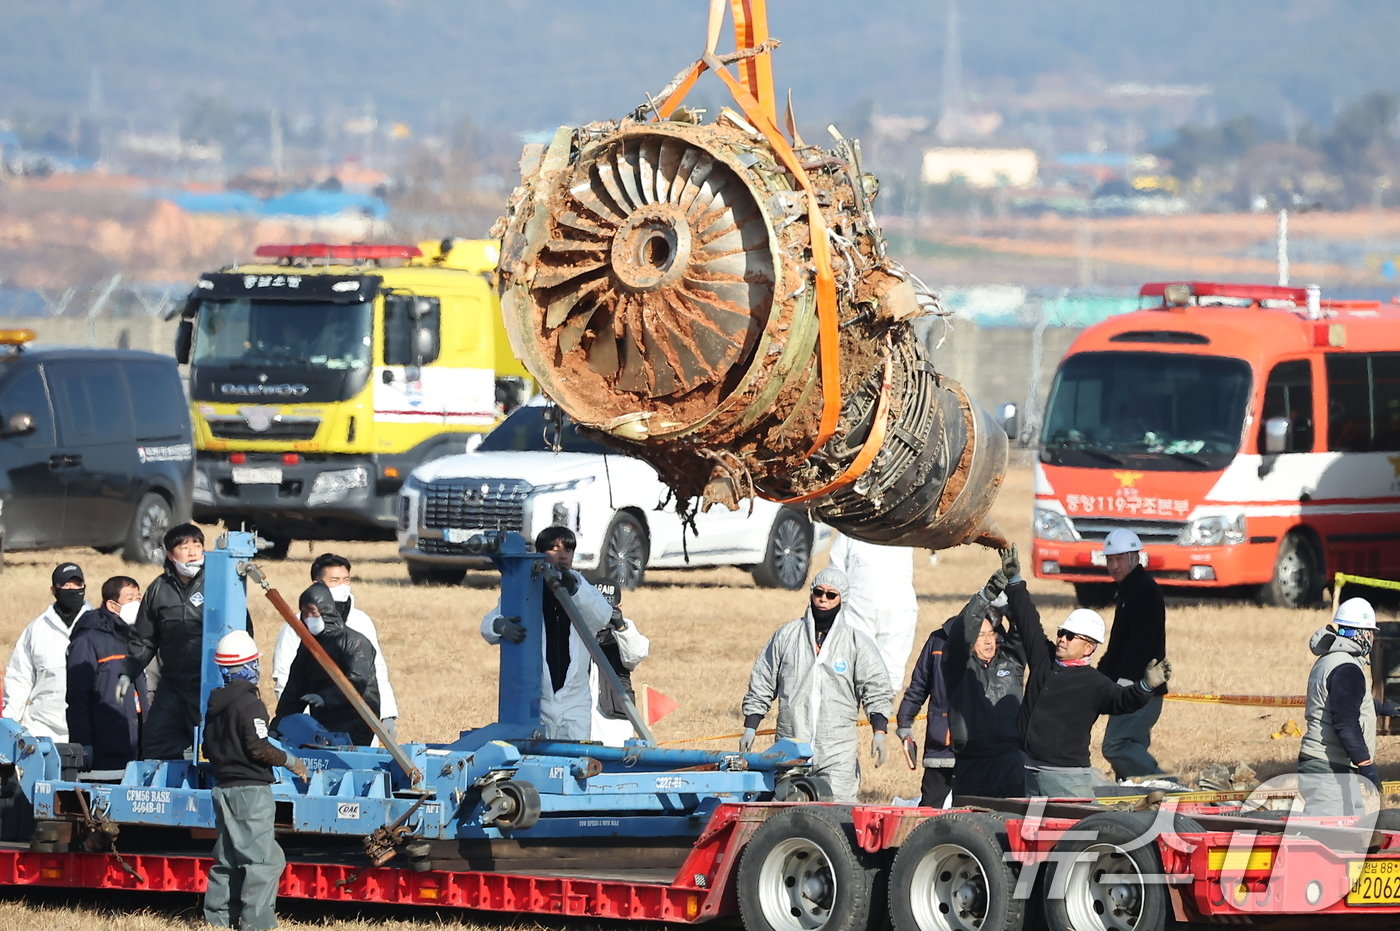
x=1121 y=541
x=1357 y=613
x=235 y=649
x=1086 y=623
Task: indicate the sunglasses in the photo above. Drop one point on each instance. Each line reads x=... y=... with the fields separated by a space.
x=1071 y=636
x=825 y=593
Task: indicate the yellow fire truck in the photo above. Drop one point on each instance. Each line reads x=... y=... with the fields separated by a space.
x=321 y=375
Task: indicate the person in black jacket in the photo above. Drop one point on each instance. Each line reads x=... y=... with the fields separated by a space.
x=242 y=887
x=109 y=730
x=927 y=684
x=1139 y=635
x=309 y=685
x=1064 y=694
x=170 y=625
x=984 y=665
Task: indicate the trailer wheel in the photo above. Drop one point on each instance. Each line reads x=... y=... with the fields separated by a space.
x=1107 y=875
x=952 y=875
x=802 y=872
x=523 y=810
x=802 y=788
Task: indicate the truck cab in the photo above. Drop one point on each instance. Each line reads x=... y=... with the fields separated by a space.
x=321 y=376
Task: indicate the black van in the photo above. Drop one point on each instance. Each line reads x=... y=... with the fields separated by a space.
x=95 y=449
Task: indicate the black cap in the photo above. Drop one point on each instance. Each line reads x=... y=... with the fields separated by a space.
x=611 y=591
x=65 y=572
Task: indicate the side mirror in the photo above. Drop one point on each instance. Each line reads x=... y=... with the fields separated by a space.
x=19 y=424
x=184 y=341
x=1278 y=435
x=1008 y=417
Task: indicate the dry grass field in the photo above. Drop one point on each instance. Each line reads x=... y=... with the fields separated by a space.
x=705 y=627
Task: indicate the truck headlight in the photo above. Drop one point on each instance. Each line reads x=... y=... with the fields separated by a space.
x=336 y=484
x=1213 y=530
x=570 y=485
x=1052 y=525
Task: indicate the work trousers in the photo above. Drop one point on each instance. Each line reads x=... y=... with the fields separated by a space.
x=1126 y=739
x=937 y=787
x=1330 y=790
x=1046 y=783
x=242 y=889
x=999 y=776
x=169 y=730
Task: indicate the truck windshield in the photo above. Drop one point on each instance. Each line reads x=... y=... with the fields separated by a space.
x=1159 y=411
x=245 y=333
x=527 y=430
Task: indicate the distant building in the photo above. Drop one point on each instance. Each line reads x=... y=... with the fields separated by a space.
x=981 y=168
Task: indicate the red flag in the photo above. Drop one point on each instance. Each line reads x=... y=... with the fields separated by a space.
x=655 y=705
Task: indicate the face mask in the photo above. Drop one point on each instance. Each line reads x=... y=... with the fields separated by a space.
x=70 y=599
x=825 y=615
x=315 y=624
x=190 y=569
x=248 y=672
x=129 y=611
x=340 y=592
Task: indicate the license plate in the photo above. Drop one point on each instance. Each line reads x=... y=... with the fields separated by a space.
x=251 y=475
x=1374 y=882
x=458 y=534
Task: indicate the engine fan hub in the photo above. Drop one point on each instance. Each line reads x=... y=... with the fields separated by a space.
x=652 y=249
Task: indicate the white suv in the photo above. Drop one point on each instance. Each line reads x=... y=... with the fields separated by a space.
x=515 y=481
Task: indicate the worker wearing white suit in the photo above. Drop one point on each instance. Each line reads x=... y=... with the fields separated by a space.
x=334 y=572
x=821 y=671
x=36 y=679
x=882 y=602
x=566 y=701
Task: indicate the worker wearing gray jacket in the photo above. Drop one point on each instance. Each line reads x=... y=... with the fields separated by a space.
x=821 y=671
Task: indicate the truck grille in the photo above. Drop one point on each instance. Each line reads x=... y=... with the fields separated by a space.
x=1159 y=532
x=488 y=504
x=238 y=429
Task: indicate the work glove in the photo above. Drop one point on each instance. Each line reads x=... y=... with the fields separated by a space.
x=509 y=628
x=297 y=767
x=1156 y=675
x=995 y=586
x=904 y=733
x=1367 y=770
x=1010 y=564
x=746 y=742
x=618 y=622
x=314 y=700
x=568 y=581
x=391 y=727
x=123 y=687
x=877 y=744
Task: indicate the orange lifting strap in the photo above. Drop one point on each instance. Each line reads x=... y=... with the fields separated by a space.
x=753 y=92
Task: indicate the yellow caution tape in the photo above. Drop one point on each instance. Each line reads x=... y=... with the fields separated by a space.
x=1261 y=701
x=1341 y=578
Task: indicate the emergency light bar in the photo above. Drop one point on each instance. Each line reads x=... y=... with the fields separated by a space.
x=17 y=338
x=1175 y=295
x=356 y=252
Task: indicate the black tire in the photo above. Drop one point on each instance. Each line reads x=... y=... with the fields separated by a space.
x=1093 y=594
x=1105 y=877
x=435 y=575
x=1297 y=581
x=625 y=551
x=803 y=871
x=802 y=788
x=788 y=557
x=952 y=874
x=525 y=799
x=145 y=538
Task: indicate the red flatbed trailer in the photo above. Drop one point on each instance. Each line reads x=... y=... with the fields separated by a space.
x=1213 y=866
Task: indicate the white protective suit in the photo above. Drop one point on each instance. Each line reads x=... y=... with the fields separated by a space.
x=568 y=713
x=288 y=643
x=881 y=601
x=633 y=646
x=36 y=680
x=820 y=694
